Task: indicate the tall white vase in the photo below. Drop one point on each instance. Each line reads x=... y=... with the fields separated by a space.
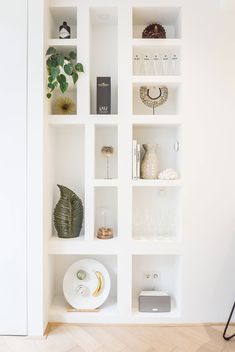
x=150 y=165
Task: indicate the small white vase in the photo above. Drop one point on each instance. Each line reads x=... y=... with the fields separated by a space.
x=149 y=168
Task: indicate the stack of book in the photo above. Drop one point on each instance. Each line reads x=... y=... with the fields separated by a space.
x=135 y=160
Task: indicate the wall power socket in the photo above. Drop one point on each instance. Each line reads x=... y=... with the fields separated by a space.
x=150 y=275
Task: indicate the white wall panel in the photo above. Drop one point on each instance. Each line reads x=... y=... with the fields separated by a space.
x=13 y=97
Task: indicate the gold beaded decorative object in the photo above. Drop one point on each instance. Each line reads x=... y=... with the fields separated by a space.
x=153 y=101
x=104 y=233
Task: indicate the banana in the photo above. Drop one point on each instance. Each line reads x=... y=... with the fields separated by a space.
x=100 y=285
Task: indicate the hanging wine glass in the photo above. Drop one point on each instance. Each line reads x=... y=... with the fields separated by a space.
x=147 y=64
x=165 y=64
x=137 y=64
x=156 y=64
x=174 y=64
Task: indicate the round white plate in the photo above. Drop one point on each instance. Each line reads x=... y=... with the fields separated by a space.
x=71 y=284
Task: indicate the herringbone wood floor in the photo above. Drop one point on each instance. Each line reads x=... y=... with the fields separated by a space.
x=70 y=338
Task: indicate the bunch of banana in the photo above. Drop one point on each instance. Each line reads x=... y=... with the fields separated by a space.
x=100 y=285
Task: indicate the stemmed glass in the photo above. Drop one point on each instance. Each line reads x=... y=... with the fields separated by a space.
x=107 y=152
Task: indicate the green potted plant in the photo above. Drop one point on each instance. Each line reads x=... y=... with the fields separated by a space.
x=60 y=66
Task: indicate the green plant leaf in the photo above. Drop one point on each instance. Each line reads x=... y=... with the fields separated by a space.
x=51 y=51
x=50 y=79
x=52 y=62
x=61 y=78
x=60 y=60
x=50 y=85
x=64 y=86
x=79 y=67
x=48 y=95
x=72 y=55
x=75 y=77
x=55 y=71
x=68 y=69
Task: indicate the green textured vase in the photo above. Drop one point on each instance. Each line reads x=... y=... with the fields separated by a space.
x=68 y=214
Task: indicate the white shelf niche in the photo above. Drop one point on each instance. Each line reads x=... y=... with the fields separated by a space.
x=104 y=52
x=157 y=55
x=66 y=165
x=58 y=15
x=168 y=268
x=106 y=135
x=106 y=199
x=168 y=17
x=168 y=140
x=170 y=107
x=58 y=305
x=156 y=214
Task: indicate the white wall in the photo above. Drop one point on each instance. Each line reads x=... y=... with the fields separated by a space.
x=13 y=98
x=208 y=161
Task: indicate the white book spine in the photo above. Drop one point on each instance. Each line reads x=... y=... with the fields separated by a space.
x=138 y=161
x=134 y=145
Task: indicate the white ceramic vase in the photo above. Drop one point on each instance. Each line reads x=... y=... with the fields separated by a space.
x=149 y=168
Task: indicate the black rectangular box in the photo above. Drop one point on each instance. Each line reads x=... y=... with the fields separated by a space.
x=103 y=99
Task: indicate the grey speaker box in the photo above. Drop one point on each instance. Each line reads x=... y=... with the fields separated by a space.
x=154 y=302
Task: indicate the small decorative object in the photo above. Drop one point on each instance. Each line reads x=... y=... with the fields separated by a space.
x=64 y=106
x=68 y=214
x=103 y=100
x=65 y=31
x=154 y=30
x=91 y=292
x=81 y=275
x=107 y=152
x=60 y=65
x=104 y=232
x=168 y=174
x=149 y=168
x=100 y=285
x=153 y=101
x=82 y=290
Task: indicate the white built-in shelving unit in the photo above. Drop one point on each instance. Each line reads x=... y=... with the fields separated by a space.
x=106 y=35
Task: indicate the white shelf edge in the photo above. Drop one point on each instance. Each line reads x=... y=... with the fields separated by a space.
x=106 y=183
x=114 y=246
x=156 y=247
x=156 y=183
x=156 y=42
x=79 y=246
x=163 y=120
x=176 y=79
x=62 y=42
x=57 y=3
x=58 y=311
x=60 y=120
